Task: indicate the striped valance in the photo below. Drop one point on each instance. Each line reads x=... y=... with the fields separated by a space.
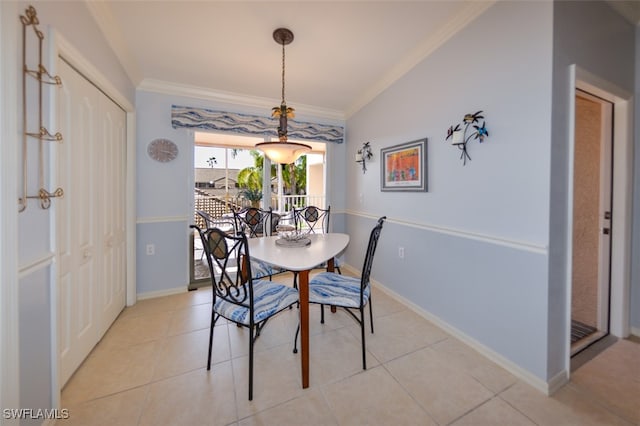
x=206 y=119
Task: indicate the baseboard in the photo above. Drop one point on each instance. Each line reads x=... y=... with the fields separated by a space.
x=547 y=388
x=556 y=382
x=160 y=293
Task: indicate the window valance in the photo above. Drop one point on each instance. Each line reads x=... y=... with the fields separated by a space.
x=207 y=119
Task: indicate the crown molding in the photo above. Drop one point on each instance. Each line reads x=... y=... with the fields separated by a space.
x=177 y=89
x=422 y=51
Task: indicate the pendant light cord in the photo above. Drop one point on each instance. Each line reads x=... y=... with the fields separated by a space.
x=283 y=101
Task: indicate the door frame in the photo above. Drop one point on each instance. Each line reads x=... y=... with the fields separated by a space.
x=621 y=198
x=605 y=196
x=61 y=47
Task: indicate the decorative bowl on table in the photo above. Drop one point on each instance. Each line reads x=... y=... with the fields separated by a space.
x=288 y=232
x=290 y=237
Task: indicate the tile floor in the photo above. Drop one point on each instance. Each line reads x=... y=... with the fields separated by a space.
x=149 y=369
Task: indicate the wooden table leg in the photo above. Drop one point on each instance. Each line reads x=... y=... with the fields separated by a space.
x=331 y=265
x=303 y=287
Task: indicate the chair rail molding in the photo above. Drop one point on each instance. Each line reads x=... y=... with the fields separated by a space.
x=515 y=244
x=163 y=219
x=35 y=265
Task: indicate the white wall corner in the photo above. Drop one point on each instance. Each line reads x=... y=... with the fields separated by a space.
x=557 y=381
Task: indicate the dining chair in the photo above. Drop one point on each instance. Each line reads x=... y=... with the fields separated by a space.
x=237 y=295
x=350 y=293
x=253 y=221
x=312 y=220
x=258 y=222
x=225 y=223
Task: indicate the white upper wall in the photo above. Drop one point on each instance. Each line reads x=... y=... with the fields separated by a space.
x=74 y=22
x=500 y=64
x=475 y=244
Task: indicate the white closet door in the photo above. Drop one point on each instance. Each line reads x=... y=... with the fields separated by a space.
x=112 y=201
x=76 y=220
x=89 y=218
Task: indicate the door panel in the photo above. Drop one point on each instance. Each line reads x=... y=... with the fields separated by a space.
x=113 y=128
x=75 y=236
x=90 y=239
x=591 y=221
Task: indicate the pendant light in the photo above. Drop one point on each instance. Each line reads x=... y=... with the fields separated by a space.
x=283 y=151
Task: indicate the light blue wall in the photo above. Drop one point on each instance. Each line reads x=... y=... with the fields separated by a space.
x=165 y=191
x=35 y=342
x=597 y=39
x=72 y=21
x=476 y=243
x=635 y=250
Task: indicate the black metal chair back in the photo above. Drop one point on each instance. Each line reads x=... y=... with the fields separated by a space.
x=206 y=218
x=234 y=295
x=312 y=219
x=230 y=277
x=255 y=220
x=368 y=258
x=227 y=224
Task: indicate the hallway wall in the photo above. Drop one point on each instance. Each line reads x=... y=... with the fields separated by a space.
x=592 y=36
x=475 y=245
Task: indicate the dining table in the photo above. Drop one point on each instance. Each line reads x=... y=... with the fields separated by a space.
x=302 y=259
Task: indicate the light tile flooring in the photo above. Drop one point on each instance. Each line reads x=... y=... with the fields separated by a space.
x=149 y=369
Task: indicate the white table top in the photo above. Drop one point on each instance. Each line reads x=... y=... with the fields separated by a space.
x=323 y=247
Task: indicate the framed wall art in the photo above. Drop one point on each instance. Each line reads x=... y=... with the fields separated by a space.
x=404 y=167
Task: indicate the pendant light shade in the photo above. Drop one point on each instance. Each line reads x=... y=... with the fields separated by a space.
x=283 y=151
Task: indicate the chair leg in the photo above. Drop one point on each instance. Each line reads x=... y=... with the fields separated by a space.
x=295 y=339
x=371 y=314
x=295 y=285
x=250 y=363
x=321 y=314
x=364 y=354
x=213 y=323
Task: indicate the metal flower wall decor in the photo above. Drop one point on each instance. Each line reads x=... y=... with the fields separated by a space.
x=363 y=155
x=459 y=137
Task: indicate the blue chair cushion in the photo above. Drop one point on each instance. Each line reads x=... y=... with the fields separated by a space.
x=269 y=298
x=260 y=269
x=330 y=288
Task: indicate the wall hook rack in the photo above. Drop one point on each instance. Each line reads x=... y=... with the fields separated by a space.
x=42 y=77
x=459 y=136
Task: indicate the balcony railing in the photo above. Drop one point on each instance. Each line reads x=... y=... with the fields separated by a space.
x=219 y=205
x=287 y=203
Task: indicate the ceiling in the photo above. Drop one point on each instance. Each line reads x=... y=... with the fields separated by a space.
x=343 y=55
x=344 y=52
